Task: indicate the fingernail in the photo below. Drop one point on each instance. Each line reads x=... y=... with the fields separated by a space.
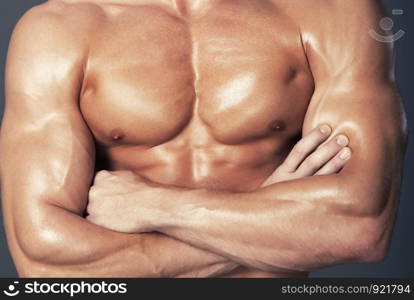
x=342 y=140
x=345 y=154
x=325 y=129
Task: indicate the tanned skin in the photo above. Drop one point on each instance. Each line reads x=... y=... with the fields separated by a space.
x=237 y=138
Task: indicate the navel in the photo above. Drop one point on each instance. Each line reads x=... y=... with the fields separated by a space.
x=277 y=125
x=117 y=134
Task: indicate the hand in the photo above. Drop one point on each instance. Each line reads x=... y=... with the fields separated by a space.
x=114 y=202
x=311 y=156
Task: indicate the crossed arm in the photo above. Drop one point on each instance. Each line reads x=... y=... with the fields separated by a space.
x=299 y=224
x=47 y=168
x=292 y=224
x=312 y=221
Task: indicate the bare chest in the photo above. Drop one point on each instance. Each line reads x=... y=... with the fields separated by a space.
x=237 y=73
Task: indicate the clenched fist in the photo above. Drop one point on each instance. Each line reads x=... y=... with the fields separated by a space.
x=114 y=202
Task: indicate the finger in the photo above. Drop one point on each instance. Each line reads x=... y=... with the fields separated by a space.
x=92 y=194
x=322 y=155
x=305 y=146
x=336 y=163
x=102 y=175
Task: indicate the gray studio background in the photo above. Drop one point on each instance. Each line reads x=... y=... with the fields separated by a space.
x=400 y=261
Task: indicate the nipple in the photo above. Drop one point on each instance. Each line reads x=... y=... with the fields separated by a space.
x=117 y=134
x=277 y=125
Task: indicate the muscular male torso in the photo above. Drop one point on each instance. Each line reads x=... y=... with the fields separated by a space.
x=199 y=94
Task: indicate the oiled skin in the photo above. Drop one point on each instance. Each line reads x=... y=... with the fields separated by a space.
x=210 y=95
x=207 y=95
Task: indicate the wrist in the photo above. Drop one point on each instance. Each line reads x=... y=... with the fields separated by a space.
x=167 y=204
x=179 y=208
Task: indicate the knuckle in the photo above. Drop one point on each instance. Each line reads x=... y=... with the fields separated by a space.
x=313 y=161
x=101 y=175
x=90 y=209
x=336 y=163
x=334 y=145
x=298 y=150
x=315 y=135
x=105 y=173
x=93 y=193
x=93 y=189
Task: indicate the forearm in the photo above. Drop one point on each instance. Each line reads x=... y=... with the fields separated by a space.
x=301 y=224
x=74 y=247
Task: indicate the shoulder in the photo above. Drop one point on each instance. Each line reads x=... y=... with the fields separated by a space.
x=57 y=22
x=334 y=16
x=50 y=44
x=65 y=11
x=336 y=36
x=331 y=10
x=351 y=19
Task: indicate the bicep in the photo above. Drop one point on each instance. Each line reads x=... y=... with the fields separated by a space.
x=47 y=160
x=372 y=117
x=45 y=142
x=356 y=94
x=45 y=171
x=47 y=151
